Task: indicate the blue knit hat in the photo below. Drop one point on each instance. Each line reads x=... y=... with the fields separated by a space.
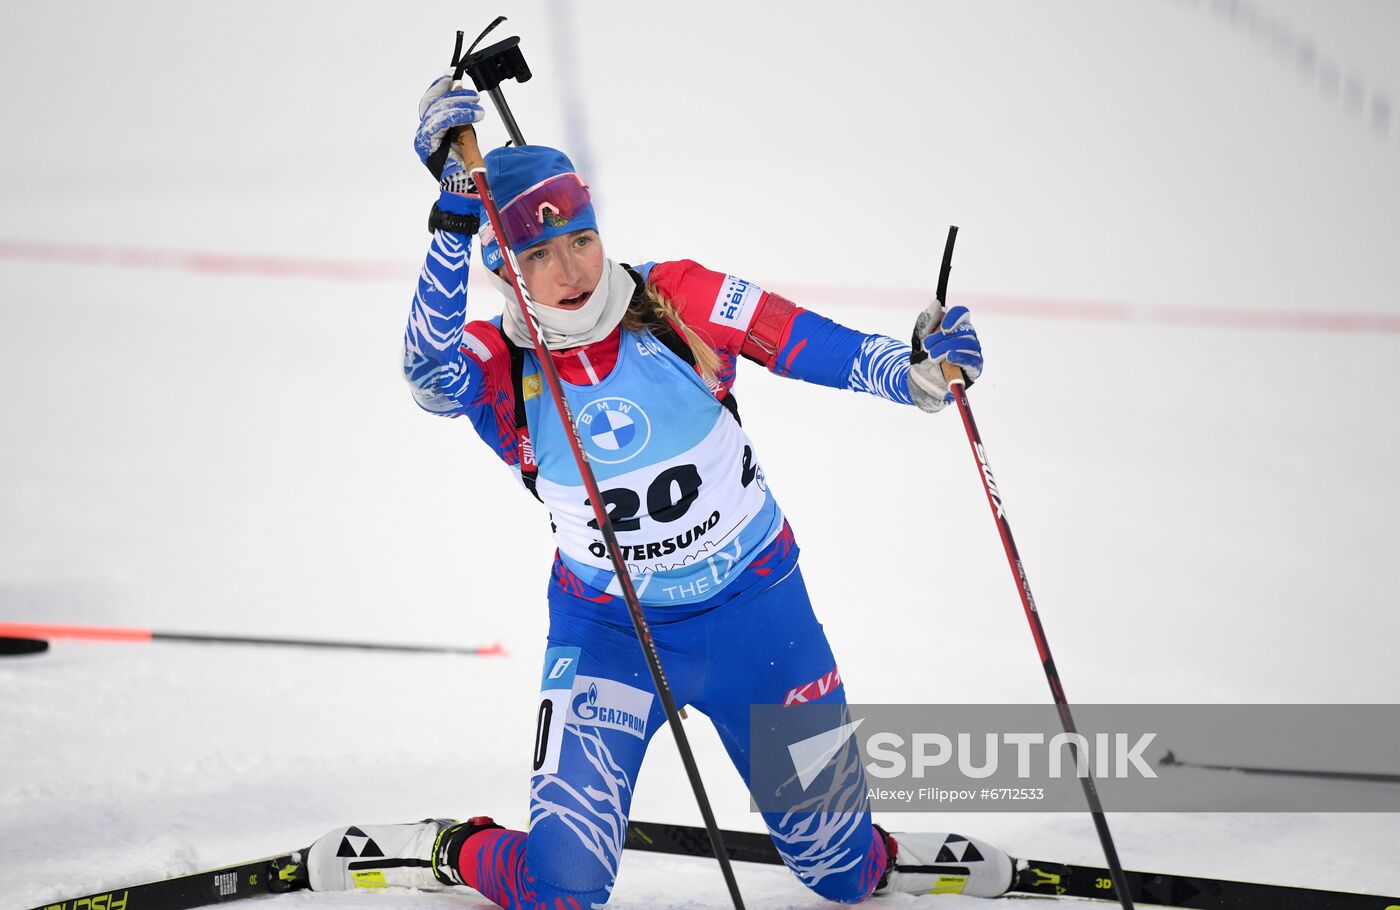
x=515 y=170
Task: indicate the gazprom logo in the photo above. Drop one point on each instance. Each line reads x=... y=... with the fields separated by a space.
x=613 y=430
x=586 y=705
x=600 y=702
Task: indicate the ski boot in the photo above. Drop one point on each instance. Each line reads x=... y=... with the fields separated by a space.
x=943 y=864
x=421 y=855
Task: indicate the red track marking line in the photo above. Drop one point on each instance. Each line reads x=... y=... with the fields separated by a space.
x=995 y=304
x=1044 y=307
x=910 y=299
x=1101 y=310
x=1381 y=323
x=205 y=262
x=87 y=633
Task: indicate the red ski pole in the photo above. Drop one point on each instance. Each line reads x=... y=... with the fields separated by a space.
x=487 y=77
x=957 y=384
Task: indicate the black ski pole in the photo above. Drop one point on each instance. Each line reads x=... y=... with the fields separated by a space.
x=488 y=68
x=957 y=384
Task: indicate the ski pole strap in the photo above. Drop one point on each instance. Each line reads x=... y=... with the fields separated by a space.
x=664 y=332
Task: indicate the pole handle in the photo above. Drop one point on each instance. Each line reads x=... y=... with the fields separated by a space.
x=951 y=372
x=467 y=147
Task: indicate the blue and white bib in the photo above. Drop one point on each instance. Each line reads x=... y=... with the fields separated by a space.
x=679 y=476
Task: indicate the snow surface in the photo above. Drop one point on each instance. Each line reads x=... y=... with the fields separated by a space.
x=1206 y=510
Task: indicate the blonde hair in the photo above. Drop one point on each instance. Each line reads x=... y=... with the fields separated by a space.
x=649 y=309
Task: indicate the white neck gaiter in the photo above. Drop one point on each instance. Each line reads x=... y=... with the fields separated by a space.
x=562 y=329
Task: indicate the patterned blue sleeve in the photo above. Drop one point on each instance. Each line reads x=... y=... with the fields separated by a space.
x=442 y=378
x=881 y=367
x=827 y=353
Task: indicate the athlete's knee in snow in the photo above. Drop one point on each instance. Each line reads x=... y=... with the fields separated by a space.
x=841 y=859
x=845 y=889
x=573 y=863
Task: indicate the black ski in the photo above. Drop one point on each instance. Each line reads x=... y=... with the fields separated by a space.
x=686 y=840
x=1061 y=880
x=1051 y=879
x=271 y=875
x=279 y=874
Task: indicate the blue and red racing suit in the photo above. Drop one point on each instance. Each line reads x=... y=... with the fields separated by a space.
x=711 y=556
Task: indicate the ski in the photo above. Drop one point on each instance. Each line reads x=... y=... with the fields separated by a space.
x=1049 y=879
x=287 y=872
x=270 y=875
x=687 y=840
x=1061 y=880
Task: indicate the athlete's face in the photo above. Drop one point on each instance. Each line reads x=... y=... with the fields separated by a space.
x=564 y=270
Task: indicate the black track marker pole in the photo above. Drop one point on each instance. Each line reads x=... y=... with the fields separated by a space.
x=1170 y=760
x=957 y=384
x=492 y=650
x=13 y=646
x=20 y=630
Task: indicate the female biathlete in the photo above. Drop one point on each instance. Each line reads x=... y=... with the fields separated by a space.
x=647 y=356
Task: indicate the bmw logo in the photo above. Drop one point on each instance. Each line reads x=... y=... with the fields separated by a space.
x=613 y=430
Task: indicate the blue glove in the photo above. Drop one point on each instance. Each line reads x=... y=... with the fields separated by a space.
x=441 y=110
x=952 y=339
